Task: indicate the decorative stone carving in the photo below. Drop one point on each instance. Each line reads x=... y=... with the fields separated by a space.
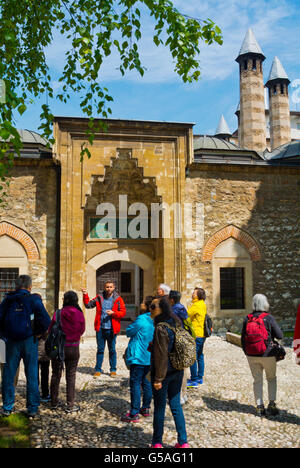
x=122 y=177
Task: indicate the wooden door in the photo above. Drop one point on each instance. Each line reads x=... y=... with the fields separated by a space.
x=108 y=272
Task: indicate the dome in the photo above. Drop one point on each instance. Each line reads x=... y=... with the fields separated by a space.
x=31 y=137
x=213 y=143
x=287 y=151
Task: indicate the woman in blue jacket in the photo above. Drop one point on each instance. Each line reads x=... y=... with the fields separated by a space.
x=138 y=358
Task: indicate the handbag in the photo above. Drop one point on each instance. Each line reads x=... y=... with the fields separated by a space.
x=277 y=350
x=126 y=359
x=208 y=326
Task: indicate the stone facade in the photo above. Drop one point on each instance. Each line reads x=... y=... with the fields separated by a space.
x=28 y=221
x=257 y=207
x=148 y=162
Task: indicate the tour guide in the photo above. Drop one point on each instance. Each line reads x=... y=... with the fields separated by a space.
x=110 y=308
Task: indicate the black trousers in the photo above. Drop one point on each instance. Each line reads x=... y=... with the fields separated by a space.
x=44 y=377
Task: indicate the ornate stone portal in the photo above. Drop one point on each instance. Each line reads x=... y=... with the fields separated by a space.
x=151 y=171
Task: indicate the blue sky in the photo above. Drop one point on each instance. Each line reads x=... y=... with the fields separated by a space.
x=160 y=94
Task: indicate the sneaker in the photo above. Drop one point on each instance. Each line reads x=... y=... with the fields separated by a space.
x=145 y=412
x=46 y=399
x=113 y=374
x=192 y=384
x=183 y=400
x=156 y=446
x=31 y=414
x=72 y=409
x=97 y=374
x=272 y=409
x=6 y=413
x=182 y=446
x=200 y=381
x=260 y=410
x=129 y=418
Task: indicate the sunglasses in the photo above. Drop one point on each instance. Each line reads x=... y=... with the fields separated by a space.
x=153 y=306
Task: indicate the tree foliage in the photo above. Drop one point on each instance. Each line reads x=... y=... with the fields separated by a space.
x=95 y=29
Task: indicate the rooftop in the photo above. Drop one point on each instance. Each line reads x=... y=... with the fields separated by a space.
x=31 y=137
x=250 y=45
x=223 y=128
x=213 y=143
x=277 y=71
x=285 y=152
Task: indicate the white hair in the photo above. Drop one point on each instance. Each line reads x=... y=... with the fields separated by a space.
x=296 y=303
x=260 y=303
x=165 y=288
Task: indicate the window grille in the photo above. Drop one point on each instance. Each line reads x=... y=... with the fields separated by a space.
x=232 y=282
x=8 y=277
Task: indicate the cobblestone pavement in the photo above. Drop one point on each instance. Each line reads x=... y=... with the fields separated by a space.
x=220 y=413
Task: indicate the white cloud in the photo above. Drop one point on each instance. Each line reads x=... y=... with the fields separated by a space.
x=217 y=62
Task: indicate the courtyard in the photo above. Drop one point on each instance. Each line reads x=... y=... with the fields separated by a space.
x=220 y=413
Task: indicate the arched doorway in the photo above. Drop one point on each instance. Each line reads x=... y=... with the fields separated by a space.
x=128 y=279
x=131 y=270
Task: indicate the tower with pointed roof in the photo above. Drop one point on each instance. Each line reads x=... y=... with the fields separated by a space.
x=252 y=127
x=223 y=129
x=280 y=123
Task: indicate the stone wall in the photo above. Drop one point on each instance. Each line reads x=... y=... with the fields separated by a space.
x=29 y=217
x=264 y=203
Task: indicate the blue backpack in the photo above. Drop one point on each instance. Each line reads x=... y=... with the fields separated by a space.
x=19 y=317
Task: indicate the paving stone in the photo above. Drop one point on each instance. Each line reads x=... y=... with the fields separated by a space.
x=219 y=413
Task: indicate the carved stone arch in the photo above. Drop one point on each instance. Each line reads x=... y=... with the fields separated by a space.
x=236 y=233
x=22 y=237
x=123 y=176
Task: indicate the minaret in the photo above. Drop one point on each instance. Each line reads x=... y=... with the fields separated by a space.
x=223 y=129
x=252 y=129
x=280 y=119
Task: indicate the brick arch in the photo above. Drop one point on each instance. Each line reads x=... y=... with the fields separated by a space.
x=22 y=237
x=224 y=234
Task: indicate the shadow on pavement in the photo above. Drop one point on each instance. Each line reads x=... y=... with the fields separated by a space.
x=233 y=405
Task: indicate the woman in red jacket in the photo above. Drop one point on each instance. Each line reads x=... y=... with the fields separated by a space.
x=297 y=337
x=110 y=309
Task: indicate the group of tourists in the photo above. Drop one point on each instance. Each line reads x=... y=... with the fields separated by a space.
x=148 y=353
x=163 y=324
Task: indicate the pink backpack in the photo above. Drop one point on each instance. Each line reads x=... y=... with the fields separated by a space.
x=256 y=336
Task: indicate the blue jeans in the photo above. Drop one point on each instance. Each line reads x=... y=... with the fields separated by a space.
x=15 y=351
x=197 y=369
x=171 y=388
x=103 y=336
x=138 y=380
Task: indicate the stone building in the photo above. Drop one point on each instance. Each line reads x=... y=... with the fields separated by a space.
x=73 y=223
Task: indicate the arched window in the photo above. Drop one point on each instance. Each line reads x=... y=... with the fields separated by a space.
x=232 y=278
x=13 y=262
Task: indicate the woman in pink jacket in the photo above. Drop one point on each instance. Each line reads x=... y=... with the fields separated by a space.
x=73 y=325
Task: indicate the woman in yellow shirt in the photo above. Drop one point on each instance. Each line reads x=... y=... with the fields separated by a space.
x=197 y=313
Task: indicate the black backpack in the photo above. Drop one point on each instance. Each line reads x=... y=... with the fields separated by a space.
x=55 y=342
x=208 y=326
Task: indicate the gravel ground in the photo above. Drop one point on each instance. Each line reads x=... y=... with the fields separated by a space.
x=219 y=413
